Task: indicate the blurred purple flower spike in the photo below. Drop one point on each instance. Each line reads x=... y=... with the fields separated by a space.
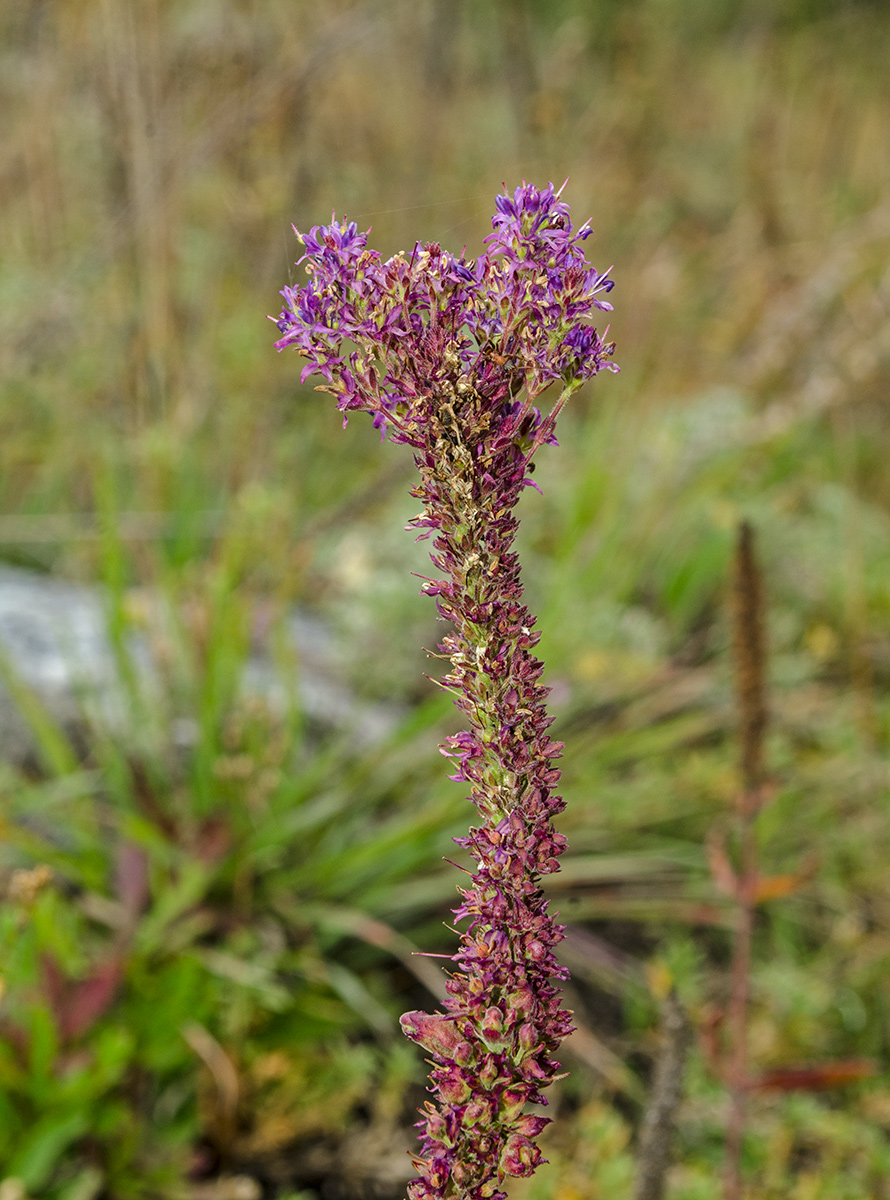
x=443 y=349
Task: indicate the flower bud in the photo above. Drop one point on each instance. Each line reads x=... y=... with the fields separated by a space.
x=511 y=1102
x=437 y=1128
x=532 y=1069
x=527 y=1041
x=432 y=1031
x=489 y=1073
x=492 y=1030
x=521 y=1002
x=530 y=1126
x=520 y=1156
x=420 y=1189
x=464 y=1054
x=453 y=1088
x=493 y=1020
x=438 y=1172
x=463 y=1174
x=477 y=1112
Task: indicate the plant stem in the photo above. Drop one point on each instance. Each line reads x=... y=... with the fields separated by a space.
x=750 y=654
x=738 y=1017
x=667 y=1090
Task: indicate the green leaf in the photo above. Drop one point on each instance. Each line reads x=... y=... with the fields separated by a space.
x=52 y=744
x=85 y=1186
x=43 y=1148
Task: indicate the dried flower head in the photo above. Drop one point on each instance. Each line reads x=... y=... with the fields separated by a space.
x=26 y=885
x=448 y=355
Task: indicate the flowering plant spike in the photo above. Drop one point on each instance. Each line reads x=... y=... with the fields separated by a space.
x=448 y=355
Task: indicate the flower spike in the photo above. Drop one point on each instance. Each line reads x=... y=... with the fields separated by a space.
x=448 y=355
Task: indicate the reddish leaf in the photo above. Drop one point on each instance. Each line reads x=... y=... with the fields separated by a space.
x=711 y=1025
x=816 y=1077
x=721 y=868
x=56 y=986
x=77 y=1006
x=17 y=1038
x=148 y=802
x=131 y=877
x=773 y=887
x=213 y=840
x=90 y=999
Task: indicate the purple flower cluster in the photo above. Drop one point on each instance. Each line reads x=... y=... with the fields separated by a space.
x=442 y=349
x=516 y=315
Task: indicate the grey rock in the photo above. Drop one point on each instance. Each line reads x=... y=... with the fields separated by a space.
x=55 y=642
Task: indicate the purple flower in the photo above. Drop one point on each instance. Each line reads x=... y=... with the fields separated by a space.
x=447 y=355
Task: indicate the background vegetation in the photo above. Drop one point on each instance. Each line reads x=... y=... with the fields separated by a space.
x=209 y=904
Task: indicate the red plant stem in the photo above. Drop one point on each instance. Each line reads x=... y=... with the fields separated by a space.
x=740 y=992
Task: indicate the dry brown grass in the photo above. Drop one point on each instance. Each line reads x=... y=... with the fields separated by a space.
x=155 y=154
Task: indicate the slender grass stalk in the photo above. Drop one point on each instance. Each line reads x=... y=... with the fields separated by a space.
x=657 y=1134
x=444 y=350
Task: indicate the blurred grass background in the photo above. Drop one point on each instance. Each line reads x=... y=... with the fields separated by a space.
x=203 y=994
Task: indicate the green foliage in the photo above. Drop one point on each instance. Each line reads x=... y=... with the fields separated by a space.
x=175 y=963
x=210 y=979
